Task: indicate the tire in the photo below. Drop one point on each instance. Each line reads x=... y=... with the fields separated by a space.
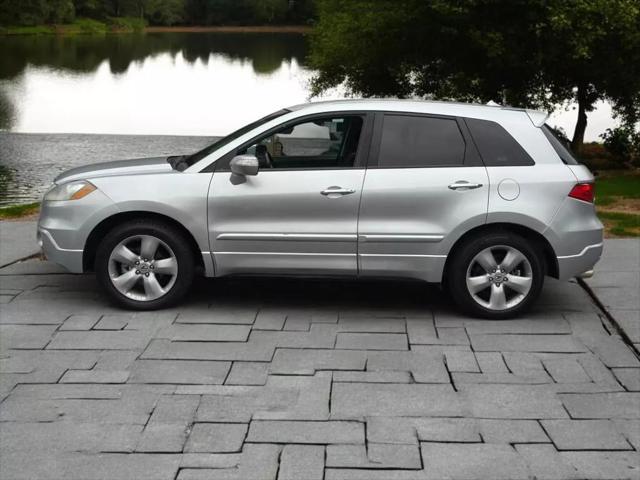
x=162 y=276
x=505 y=292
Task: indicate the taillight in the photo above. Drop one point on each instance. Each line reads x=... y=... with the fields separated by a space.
x=583 y=191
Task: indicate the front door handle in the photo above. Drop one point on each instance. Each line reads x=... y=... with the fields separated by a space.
x=336 y=191
x=464 y=185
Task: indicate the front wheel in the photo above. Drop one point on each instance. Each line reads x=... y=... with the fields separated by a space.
x=496 y=276
x=145 y=265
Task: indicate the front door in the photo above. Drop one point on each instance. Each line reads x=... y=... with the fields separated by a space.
x=299 y=213
x=425 y=184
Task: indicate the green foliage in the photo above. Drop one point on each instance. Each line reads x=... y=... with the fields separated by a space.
x=158 y=12
x=532 y=53
x=624 y=144
x=127 y=24
x=625 y=186
x=88 y=25
x=17 y=211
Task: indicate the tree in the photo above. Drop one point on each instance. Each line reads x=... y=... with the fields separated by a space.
x=532 y=53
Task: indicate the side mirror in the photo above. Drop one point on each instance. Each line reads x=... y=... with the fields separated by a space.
x=241 y=166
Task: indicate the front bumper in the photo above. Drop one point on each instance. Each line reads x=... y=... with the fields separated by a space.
x=64 y=226
x=70 y=259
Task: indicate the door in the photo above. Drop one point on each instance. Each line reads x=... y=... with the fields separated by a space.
x=424 y=186
x=299 y=213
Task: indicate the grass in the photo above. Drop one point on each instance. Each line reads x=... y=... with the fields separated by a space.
x=618 y=203
x=619 y=224
x=19 y=211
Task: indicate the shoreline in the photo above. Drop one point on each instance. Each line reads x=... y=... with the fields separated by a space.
x=75 y=30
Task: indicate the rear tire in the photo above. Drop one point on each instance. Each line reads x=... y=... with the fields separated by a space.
x=145 y=265
x=497 y=275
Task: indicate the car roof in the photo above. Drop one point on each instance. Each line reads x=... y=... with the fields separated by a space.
x=472 y=110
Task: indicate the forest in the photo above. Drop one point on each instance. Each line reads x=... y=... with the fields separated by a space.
x=158 y=12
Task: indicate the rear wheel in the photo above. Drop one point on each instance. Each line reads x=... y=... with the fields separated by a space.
x=498 y=275
x=145 y=265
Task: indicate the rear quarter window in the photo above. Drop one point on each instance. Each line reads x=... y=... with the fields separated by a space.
x=560 y=146
x=497 y=147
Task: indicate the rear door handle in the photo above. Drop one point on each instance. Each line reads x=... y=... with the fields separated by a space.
x=464 y=185
x=331 y=191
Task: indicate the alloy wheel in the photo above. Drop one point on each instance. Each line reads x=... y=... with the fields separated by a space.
x=499 y=277
x=143 y=268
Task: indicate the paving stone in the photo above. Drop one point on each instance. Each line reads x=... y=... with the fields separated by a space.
x=585 y=435
x=602 y=405
x=491 y=362
x=307 y=362
x=372 y=325
x=628 y=377
x=206 y=333
x=211 y=460
x=511 y=431
x=453 y=336
x=281 y=398
x=424 y=367
x=259 y=351
x=270 y=319
x=179 y=372
x=301 y=462
x=306 y=432
x=422 y=330
x=111 y=322
x=67 y=437
x=355 y=401
x=604 y=465
x=394 y=430
x=99 y=340
x=95 y=376
x=533 y=378
x=163 y=438
x=512 y=401
x=221 y=314
x=472 y=461
x=300 y=323
x=631 y=431
x=25 y=336
x=612 y=351
x=550 y=325
x=79 y=322
x=372 y=341
x=544 y=462
x=461 y=361
x=248 y=373
x=374 y=456
x=566 y=370
x=216 y=437
x=526 y=343
x=372 y=377
x=629 y=320
x=257 y=462
x=82 y=466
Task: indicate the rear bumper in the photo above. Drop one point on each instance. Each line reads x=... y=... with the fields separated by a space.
x=570 y=266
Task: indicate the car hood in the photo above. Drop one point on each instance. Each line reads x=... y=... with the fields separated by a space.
x=119 y=167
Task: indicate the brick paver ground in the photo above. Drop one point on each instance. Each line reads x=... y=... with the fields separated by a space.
x=291 y=379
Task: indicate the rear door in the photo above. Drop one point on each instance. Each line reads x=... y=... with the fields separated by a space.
x=425 y=184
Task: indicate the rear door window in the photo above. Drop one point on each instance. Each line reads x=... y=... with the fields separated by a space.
x=497 y=147
x=418 y=142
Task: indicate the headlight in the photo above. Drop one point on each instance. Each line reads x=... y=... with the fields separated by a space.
x=70 y=191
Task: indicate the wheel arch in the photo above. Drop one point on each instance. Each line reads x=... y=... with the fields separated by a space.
x=100 y=230
x=540 y=242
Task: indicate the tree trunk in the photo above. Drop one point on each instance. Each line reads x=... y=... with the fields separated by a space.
x=581 y=124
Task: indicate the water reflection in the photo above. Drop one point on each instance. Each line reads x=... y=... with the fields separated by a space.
x=89 y=83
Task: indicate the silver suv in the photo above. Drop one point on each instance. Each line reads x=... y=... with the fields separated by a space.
x=482 y=199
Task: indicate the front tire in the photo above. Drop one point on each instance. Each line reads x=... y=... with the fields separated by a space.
x=496 y=275
x=145 y=265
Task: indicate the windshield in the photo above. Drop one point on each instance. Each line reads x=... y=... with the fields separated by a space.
x=560 y=145
x=196 y=157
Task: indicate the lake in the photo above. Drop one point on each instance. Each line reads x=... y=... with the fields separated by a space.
x=191 y=84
